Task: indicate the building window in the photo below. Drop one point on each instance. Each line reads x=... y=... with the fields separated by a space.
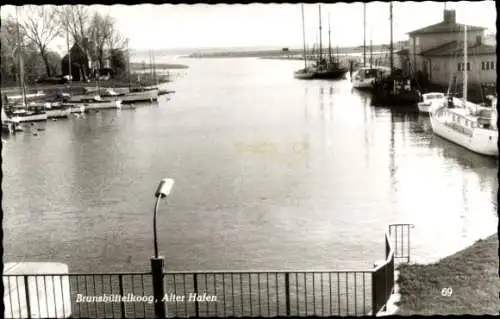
x=459 y=67
x=468 y=66
x=487 y=65
x=492 y=65
x=483 y=66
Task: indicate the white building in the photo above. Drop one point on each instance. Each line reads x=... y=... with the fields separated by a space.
x=437 y=51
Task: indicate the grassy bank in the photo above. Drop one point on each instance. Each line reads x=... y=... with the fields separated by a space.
x=472 y=274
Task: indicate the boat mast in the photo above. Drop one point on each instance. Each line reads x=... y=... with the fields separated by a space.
x=364 y=34
x=391 y=57
x=320 y=37
x=128 y=67
x=329 y=40
x=465 y=65
x=20 y=58
x=304 y=36
x=371 y=52
x=69 y=54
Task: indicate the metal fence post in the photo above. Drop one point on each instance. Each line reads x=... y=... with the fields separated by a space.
x=287 y=293
x=120 y=286
x=374 y=292
x=158 y=289
x=28 y=305
x=196 y=305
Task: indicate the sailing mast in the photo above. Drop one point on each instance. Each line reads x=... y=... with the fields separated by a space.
x=128 y=67
x=304 y=37
x=69 y=54
x=329 y=40
x=391 y=57
x=20 y=58
x=364 y=34
x=465 y=66
x=371 y=52
x=320 y=37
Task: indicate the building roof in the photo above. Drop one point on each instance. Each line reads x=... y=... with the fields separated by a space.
x=448 y=25
x=445 y=27
x=454 y=48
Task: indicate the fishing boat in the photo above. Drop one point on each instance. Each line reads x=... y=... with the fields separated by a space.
x=331 y=68
x=366 y=77
x=396 y=89
x=428 y=99
x=8 y=124
x=75 y=108
x=467 y=124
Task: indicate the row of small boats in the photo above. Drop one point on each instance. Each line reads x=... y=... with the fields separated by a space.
x=65 y=104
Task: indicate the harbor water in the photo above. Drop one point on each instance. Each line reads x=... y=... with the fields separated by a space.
x=270 y=172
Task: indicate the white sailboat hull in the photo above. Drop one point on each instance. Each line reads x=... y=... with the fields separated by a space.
x=30 y=117
x=58 y=113
x=77 y=108
x=114 y=104
x=481 y=141
x=143 y=96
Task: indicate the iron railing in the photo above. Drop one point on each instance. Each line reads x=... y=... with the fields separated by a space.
x=400 y=234
x=210 y=294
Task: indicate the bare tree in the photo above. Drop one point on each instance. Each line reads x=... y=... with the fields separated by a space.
x=41 y=26
x=101 y=31
x=77 y=20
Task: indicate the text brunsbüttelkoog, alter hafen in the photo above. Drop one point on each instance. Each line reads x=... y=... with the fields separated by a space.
x=130 y=297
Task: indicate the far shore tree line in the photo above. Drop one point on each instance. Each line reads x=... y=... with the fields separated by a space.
x=38 y=27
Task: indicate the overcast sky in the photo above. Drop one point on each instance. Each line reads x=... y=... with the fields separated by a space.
x=279 y=25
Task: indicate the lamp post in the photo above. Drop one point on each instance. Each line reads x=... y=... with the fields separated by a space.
x=157 y=262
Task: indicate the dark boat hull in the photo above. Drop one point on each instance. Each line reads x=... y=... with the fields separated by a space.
x=330 y=75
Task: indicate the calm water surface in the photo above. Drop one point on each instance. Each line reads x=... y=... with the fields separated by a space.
x=271 y=173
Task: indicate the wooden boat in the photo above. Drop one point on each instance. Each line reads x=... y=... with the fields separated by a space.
x=395 y=89
x=366 y=77
x=428 y=99
x=467 y=124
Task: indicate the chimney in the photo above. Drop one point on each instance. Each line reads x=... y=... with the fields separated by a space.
x=449 y=17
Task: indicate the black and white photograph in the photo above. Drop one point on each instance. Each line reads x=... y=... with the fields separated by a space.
x=264 y=160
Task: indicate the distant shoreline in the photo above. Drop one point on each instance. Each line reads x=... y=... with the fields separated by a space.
x=136 y=66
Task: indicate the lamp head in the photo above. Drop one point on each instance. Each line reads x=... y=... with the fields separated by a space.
x=164 y=187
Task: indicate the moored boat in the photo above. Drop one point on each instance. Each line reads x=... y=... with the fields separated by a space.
x=428 y=99
x=467 y=124
x=57 y=110
x=365 y=77
x=470 y=125
x=96 y=103
x=28 y=114
x=134 y=96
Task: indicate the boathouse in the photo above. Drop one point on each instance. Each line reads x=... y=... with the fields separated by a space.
x=437 y=52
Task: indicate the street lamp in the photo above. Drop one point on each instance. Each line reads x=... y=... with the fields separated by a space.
x=157 y=262
x=163 y=190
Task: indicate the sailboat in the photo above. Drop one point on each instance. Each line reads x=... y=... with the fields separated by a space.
x=24 y=112
x=395 y=89
x=328 y=69
x=135 y=95
x=306 y=72
x=365 y=77
x=465 y=123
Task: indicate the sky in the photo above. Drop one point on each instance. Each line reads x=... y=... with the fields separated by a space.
x=165 y=26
